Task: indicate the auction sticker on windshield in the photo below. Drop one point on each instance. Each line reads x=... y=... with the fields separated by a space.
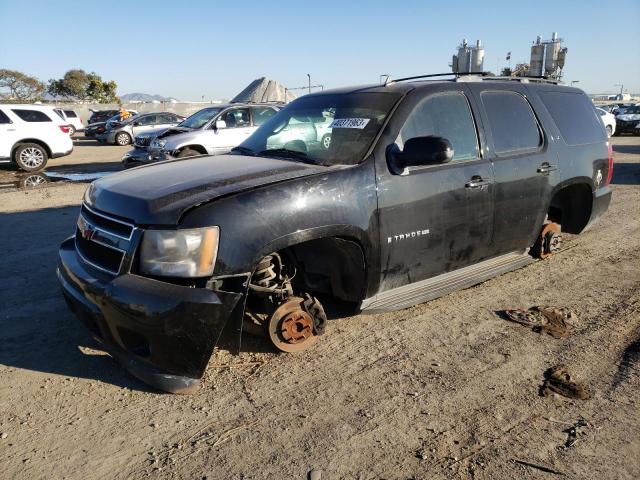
x=358 y=123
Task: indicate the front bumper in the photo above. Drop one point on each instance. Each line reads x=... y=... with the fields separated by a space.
x=137 y=157
x=162 y=333
x=627 y=127
x=62 y=154
x=102 y=138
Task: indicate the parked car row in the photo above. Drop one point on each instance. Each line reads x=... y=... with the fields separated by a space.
x=212 y=131
x=98 y=122
x=122 y=132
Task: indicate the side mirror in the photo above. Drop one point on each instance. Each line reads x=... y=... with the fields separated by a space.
x=220 y=124
x=429 y=150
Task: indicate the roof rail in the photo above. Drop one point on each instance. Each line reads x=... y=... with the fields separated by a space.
x=475 y=77
x=452 y=74
x=519 y=79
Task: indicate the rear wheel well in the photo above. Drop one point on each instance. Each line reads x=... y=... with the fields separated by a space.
x=30 y=140
x=571 y=207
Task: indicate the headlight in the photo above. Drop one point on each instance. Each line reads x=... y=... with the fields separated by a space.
x=159 y=143
x=179 y=253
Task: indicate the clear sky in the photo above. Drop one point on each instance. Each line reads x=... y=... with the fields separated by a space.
x=187 y=49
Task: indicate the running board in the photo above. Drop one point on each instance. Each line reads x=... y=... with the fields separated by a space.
x=425 y=290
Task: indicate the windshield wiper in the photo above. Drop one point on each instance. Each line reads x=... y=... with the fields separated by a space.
x=244 y=151
x=287 y=153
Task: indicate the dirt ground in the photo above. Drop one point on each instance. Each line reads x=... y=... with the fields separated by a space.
x=446 y=389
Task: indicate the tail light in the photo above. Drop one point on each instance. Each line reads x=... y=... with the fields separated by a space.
x=610 y=172
x=64 y=128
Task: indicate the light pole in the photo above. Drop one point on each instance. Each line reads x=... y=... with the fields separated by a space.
x=619 y=85
x=309 y=77
x=573 y=82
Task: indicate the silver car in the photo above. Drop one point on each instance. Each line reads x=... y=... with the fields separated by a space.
x=212 y=130
x=123 y=133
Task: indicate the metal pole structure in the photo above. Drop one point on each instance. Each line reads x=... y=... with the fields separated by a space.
x=619 y=85
x=309 y=76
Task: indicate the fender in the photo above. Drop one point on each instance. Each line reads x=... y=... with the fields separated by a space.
x=348 y=232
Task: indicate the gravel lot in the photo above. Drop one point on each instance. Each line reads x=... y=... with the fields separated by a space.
x=445 y=389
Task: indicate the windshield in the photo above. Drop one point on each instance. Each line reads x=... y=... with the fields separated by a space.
x=200 y=118
x=326 y=129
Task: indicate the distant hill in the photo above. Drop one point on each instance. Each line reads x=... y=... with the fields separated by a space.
x=144 y=97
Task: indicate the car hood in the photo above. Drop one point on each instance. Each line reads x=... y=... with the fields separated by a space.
x=161 y=193
x=626 y=117
x=177 y=137
x=169 y=132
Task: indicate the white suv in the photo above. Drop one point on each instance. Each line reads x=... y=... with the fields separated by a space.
x=72 y=118
x=31 y=134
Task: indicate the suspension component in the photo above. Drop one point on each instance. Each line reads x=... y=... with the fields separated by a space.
x=269 y=276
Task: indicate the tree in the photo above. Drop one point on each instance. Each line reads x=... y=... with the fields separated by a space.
x=20 y=86
x=102 y=92
x=506 y=72
x=81 y=85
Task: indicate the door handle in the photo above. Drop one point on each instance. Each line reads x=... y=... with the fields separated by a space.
x=546 y=168
x=477 y=182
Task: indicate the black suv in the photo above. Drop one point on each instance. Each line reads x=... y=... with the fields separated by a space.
x=427 y=186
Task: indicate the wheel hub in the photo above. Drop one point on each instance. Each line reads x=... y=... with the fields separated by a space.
x=291 y=328
x=297 y=327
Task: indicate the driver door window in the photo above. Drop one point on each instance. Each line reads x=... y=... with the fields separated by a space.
x=446 y=115
x=236 y=118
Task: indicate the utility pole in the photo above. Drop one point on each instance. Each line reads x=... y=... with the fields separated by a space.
x=309 y=76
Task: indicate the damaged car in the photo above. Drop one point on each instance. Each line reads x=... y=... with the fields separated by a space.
x=425 y=187
x=210 y=131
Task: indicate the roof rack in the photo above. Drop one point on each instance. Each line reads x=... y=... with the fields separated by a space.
x=474 y=77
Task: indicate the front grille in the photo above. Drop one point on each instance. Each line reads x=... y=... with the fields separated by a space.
x=99 y=255
x=112 y=225
x=142 y=141
x=102 y=241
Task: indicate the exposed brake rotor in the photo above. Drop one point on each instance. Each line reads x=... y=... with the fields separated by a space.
x=291 y=327
x=549 y=241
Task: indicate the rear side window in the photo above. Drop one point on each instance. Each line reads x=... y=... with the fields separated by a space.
x=4 y=118
x=444 y=115
x=575 y=117
x=261 y=114
x=31 y=115
x=168 y=118
x=148 y=120
x=70 y=114
x=512 y=122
